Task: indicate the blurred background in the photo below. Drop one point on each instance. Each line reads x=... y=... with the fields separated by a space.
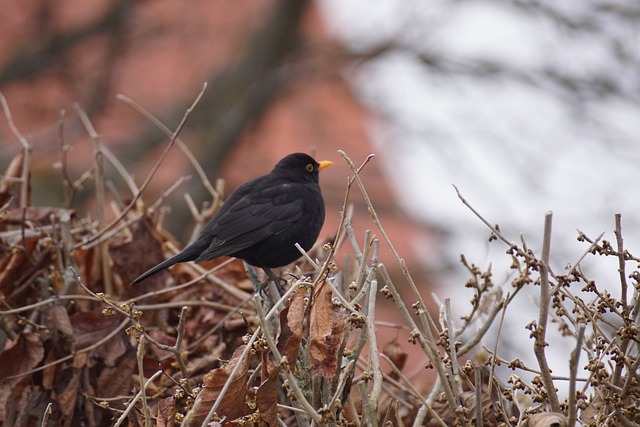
x=526 y=106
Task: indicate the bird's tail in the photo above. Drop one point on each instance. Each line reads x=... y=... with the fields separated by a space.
x=188 y=254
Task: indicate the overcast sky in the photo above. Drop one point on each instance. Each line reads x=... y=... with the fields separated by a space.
x=526 y=108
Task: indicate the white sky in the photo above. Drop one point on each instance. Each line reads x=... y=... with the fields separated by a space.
x=516 y=147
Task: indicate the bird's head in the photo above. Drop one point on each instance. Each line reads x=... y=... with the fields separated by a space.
x=300 y=167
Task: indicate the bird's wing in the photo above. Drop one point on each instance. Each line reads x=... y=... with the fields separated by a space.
x=250 y=218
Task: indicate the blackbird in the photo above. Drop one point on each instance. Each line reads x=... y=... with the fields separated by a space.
x=263 y=219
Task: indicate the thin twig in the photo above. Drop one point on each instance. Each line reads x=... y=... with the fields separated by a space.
x=307 y=257
x=498 y=305
x=621 y=264
x=495 y=347
x=64 y=148
x=495 y=230
x=573 y=373
x=427 y=346
x=151 y=174
x=343 y=216
x=412 y=389
x=185 y=149
x=143 y=391
x=26 y=152
x=541 y=331
x=100 y=198
x=374 y=355
x=123 y=417
x=120 y=168
x=455 y=379
x=477 y=380
x=168 y=191
x=345 y=376
x=47 y=413
x=293 y=382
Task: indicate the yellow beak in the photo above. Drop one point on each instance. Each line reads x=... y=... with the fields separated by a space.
x=324 y=164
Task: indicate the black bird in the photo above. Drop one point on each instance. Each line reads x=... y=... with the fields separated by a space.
x=263 y=219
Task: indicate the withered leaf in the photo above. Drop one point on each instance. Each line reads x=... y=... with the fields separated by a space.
x=394 y=351
x=67 y=393
x=267 y=394
x=233 y=403
x=137 y=256
x=291 y=327
x=166 y=412
x=60 y=330
x=26 y=400
x=591 y=412
x=25 y=354
x=5 y=396
x=326 y=325
x=232 y=272
x=92 y=326
x=116 y=380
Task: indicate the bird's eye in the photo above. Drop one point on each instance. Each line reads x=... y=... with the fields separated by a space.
x=310 y=167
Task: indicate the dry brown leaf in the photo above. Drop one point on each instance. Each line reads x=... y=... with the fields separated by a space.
x=92 y=326
x=591 y=413
x=27 y=400
x=166 y=412
x=116 y=380
x=232 y=272
x=326 y=325
x=394 y=351
x=296 y=314
x=60 y=330
x=547 y=419
x=49 y=374
x=291 y=327
x=22 y=356
x=67 y=395
x=267 y=394
x=5 y=396
x=137 y=256
x=233 y=403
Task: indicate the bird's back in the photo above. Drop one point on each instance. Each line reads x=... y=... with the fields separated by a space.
x=262 y=225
